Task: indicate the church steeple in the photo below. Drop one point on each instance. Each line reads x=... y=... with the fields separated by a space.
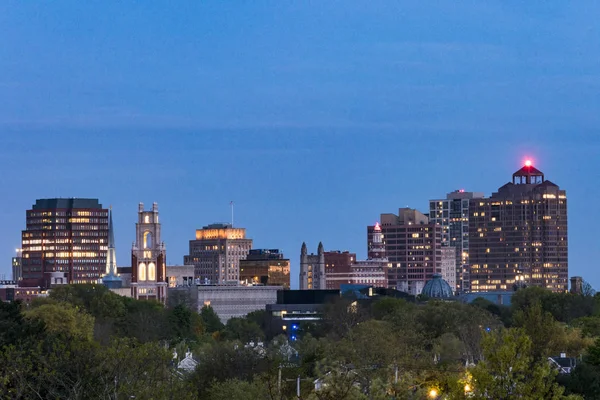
x=148 y=258
x=111 y=279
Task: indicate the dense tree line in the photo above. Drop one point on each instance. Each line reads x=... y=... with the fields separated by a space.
x=85 y=342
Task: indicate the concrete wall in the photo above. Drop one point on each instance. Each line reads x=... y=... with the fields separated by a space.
x=180 y=275
x=236 y=301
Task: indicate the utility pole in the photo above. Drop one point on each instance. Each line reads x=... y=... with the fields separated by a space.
x=231 y=204
x=279 y=383
x=298 y=387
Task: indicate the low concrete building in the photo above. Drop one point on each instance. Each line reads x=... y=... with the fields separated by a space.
x=234 y=301
x=180 y=275
x=124 y=291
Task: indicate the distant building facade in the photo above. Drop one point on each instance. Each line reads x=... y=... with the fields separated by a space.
x=520 y=232
x=180 y=275
x=576 y=285
x=17 y=267
x=369 y=272
x=235 y=300
x=312 y=269
x=67 y=236
x=10 y=291
x=342 y=268
x=452 y=214
x=448 y=270
x=375 y=270
x=412 y=246
x=216 y=253
x=338 y=268
x=148 y=258
x=265 y=267
x=125 y=275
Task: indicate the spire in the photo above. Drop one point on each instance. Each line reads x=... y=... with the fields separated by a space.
x=320 y=249
x=111 y=279
x=303 y=249
x=111 y=233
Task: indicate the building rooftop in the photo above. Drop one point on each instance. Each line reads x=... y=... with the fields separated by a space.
x=528 y=175
x=437 y=288
x=218 y=225
x=47 y=204
x=264 y=254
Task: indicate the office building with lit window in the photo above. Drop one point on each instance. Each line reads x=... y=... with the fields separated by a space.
x=452 y=214
x=518 y=236
x=412 y=247
x=64 y=239
x=265 y=267
x=338 y=268
x=216 y=253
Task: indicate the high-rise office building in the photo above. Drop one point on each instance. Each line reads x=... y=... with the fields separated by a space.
x=265 y=267
x=312 y=268
x=216 y=253
x=519 y=235
x=148 y=258
x=452 y=214
x=412 y=247
x=66 y=237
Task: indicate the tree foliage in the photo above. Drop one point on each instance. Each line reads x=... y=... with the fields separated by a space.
x=64 y=318
x=509 y=370
x=211 y=320
x=85 y=342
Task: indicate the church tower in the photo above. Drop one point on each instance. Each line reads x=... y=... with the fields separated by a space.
x=312 y=268
x=148 y=258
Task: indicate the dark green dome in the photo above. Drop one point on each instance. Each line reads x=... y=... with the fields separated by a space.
x=437 y=288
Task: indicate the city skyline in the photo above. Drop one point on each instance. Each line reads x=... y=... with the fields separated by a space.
x=362 y=253
x=313 y=119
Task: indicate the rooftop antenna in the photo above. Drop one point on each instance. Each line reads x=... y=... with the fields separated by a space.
x=231 y=204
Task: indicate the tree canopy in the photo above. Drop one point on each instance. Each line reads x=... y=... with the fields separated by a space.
x=85 y=342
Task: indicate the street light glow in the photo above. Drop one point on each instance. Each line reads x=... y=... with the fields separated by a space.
x=433 y=393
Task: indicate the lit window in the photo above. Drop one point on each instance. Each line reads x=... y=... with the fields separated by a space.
x=142 y=272
x=151 y=272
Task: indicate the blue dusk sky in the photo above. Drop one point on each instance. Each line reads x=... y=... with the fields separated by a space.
x=312 y=116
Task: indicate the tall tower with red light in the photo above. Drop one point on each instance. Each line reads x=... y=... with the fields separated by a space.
x=519 y=235
x=528 y=175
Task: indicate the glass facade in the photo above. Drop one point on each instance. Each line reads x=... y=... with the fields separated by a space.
x=64 y=236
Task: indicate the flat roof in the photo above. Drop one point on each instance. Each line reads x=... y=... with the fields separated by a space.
x=48 y=204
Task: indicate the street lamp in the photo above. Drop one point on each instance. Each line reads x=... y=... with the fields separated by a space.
x=433 y=394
